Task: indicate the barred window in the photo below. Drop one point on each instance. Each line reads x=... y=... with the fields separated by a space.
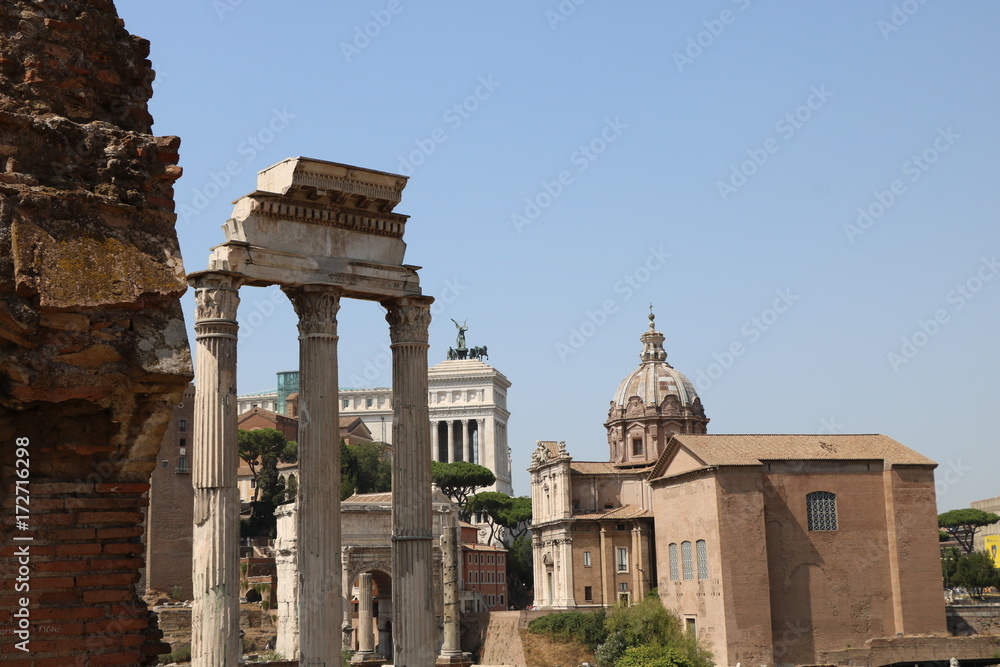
x=821 y=510
x=686 y=560
x=702 y=552
x=674 y=572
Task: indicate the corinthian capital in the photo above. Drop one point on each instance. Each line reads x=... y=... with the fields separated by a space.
x=408 y=318
x=316 y=306
x=217 y=294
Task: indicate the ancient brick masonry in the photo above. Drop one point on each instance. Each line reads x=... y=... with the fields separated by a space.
x=93 y=347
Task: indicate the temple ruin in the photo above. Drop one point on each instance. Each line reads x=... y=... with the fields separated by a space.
x=322 y=231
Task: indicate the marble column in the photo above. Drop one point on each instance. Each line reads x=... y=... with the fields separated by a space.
x=366 y=639
x=318 y=519
x=346 y=643
x=435 y=449
x=215 y=640
x=451 y=650
x=466 y=440
x=451 y=442
x=413 y=626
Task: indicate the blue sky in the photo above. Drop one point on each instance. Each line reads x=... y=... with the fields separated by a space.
x=804 y=191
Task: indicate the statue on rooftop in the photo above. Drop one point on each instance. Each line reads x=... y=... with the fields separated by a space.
x=462 y=328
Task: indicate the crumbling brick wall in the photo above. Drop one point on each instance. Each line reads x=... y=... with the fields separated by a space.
x=93 y=347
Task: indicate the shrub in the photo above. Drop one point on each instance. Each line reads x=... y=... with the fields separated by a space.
x=584 y=627
x=653 y=656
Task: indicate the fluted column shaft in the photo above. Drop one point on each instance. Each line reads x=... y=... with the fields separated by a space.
x=414 y=629
x=215 y=618
x=318 y=518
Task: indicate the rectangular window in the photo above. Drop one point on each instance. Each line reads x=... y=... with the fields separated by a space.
x=253 y=484
x=586 y=559
x=674 y=569
x=501 y=599
x=368 y=403
x=702 y=559
x=184 y=442
x=588 y=593
x=622 y=559
x=821 y=510
x=636 y=446
x=182 y=463
x=182 y=425
x=623 y=587
x=691 y=625
x=687 y=562
x=166 y=463
x=347 y=402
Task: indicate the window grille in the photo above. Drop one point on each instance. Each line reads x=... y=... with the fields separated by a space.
x=702 y=552
x=821 y=510
x=674 y=572
x=686 y=560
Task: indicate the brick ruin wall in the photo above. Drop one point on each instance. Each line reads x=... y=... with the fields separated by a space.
x=93 y=347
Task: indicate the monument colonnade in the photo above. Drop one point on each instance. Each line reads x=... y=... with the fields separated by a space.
x=322 y=231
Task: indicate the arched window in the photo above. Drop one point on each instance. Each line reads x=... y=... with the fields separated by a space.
x=674 y=572
x=687 y=562
x=821 y=510
x=702 y=552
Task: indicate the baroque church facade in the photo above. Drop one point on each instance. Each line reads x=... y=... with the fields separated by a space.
x=772 y=549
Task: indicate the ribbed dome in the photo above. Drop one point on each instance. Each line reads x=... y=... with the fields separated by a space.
x=655 y=379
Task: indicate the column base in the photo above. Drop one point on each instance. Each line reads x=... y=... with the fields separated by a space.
x=459 y=659
x=367 y=659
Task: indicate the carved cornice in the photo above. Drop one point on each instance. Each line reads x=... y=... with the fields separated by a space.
x=316 y=306
x=408 y=318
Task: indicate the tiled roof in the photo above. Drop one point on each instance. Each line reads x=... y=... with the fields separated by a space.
x=754 y=449
x=481 y=547
x=551 y=446
x=624 y=512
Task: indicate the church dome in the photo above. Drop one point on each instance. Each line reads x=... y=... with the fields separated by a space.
x=655 y=380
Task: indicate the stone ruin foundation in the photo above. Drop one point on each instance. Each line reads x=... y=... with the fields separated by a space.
x=93 y=348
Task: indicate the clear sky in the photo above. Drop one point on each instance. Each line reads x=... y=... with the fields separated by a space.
x=805 y=191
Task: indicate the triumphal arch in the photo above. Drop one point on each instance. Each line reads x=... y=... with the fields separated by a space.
x=322 y=231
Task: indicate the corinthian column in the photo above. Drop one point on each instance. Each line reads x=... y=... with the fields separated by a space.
x=366 y=640
x=414 y=628
x=215 y=571
x=318 y=520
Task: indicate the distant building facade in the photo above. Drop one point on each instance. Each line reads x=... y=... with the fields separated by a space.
x=774 y=549
x=169 y=517
x=987 y=538
x=468 y=412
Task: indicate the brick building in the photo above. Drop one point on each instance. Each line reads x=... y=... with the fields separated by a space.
x=484 y=570
x=773 y=549
x=171 y=506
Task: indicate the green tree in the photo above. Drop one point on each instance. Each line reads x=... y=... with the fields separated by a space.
x=262 y=449
x=507 y=517
x=963 y=524
x=975 y=572
x=520 y=572
x=649 y=623
x=364 y=468
x=459 y=480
